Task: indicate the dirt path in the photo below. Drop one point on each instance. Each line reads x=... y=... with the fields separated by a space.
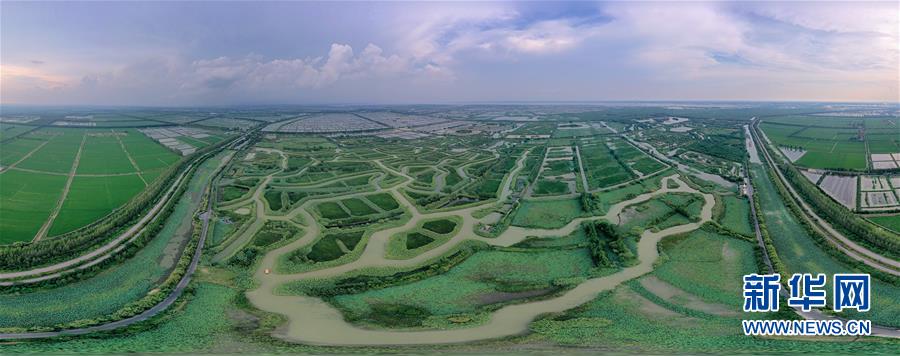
x=584 y=182
x=834 y=237
x=14 y=164
x=77 y=175
x=108 y=247
x=130 y=159
x=154 y=310
x=62 y=198
x=260 y=208
x=331 y=329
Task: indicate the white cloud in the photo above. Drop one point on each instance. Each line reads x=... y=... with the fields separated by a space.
x=254 y=73
x=709 y=40
x=779 y=47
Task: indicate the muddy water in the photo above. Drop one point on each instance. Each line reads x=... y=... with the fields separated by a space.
x=751 y=147
x=313 y=321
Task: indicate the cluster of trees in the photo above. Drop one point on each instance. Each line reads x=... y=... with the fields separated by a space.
x=820 y=239
x=769 y=246
x=728 y=147
x=141 y=240
x=621 y=162
x=246 y=256
x=590 y=203
x=604 y=237
x=21 y=256
x=148 y=301
x=793 y=147
x=533 y=162
x=857 y=227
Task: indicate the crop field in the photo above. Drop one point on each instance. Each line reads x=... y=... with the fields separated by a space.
x=601 y=168
x=832 y=142
x=57 y=155
x=10 y=130
x=801 y=255
x=104 y=155
x=92 y=197
x=112 y=166
x=557 y=173
x=17 y=149
x=27 y=199
x=352 y=226
x=890 y=222
x=114 y=287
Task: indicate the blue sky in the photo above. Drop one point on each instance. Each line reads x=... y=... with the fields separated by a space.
x=213 y=53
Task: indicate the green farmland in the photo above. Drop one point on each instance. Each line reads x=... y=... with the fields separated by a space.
x=832 y=142
x=615 y=228
x=40 y=173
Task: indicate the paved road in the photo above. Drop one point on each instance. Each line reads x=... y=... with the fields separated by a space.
x=131 y=232
x=149 y=313
x=834 y=237
x=814 y=314
x=759 y=237
x=62 y=197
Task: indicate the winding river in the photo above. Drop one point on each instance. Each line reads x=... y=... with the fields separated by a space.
x=313 y=321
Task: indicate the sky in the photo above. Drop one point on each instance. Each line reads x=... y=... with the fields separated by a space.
x=236 y=53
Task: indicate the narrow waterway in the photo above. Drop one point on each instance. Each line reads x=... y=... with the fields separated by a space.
x=313 y=321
